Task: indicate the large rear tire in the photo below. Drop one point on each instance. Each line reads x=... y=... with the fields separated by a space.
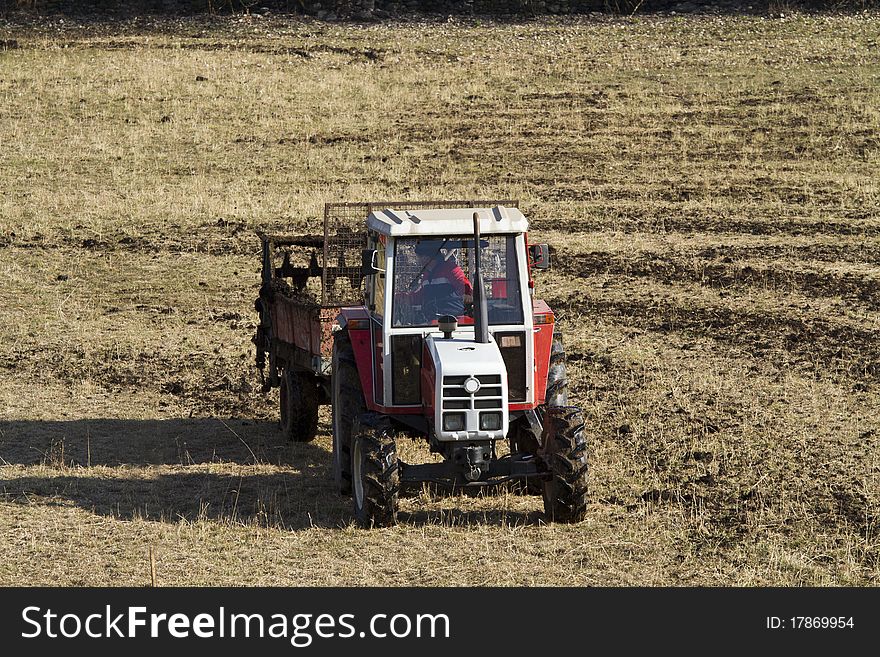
x=565 y=454
x=347 y=403
x=299 y=405
x=375 y=471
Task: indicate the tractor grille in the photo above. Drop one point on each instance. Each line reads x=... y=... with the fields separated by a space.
x=490 y=394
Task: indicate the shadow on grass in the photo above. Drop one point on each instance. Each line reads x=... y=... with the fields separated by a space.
x=119 y=468
x=129 y=478
x=293 y=501
x=114 y=442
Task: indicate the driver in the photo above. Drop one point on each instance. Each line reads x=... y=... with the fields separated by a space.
x=441 y=287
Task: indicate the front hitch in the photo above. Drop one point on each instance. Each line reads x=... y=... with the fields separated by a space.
x=472 y=460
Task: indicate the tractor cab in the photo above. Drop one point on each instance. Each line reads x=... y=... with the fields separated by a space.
x=451 y=321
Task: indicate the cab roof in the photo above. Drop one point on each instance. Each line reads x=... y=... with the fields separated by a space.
x=459 y=221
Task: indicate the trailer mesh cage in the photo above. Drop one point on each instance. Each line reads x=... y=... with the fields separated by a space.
x=345 y=237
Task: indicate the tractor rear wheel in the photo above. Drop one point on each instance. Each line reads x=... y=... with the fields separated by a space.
x=375 y=471
x=299 y=405
x=347 y=403
x=565 y=454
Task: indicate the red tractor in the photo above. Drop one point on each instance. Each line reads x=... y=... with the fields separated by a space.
x=422 y=322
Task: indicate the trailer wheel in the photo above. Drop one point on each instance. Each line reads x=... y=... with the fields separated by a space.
x=299 y=406
x=375 y=471
x=565 y=453
x=347 y=403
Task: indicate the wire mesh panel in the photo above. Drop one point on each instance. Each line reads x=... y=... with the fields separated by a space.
x=345 y=237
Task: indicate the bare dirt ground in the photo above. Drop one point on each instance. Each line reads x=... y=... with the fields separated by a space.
x=710 y=189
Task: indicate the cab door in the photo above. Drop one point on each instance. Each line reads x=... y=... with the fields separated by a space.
x=376 y=297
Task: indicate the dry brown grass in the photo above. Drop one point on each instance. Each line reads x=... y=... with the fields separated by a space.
x=710 y=189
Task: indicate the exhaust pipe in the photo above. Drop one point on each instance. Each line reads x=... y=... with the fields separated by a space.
x=481 y=312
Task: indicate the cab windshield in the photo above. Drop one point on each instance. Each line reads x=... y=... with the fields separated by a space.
x=434 y=276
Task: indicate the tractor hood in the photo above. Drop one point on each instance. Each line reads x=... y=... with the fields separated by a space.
x=461 y=355
x=472 y=385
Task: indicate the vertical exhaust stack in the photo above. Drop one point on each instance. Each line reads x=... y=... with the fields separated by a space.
x=481 y=313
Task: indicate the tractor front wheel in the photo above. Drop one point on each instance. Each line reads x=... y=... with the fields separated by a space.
x=375 y=472
x=565 y=453
x=299 y=406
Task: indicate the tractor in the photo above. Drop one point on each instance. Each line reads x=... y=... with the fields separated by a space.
x=420 y=319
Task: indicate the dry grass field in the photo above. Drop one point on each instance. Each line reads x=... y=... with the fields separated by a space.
x=711 y=190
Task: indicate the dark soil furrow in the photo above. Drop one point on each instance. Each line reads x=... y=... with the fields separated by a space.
x=219 y=238
x=205 y=384
x=672 y=222
x=305 y=52
x=212 y=245
x=817 y=344
x=853 y=252
x=726 y=273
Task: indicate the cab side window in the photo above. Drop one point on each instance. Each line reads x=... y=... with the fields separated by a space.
x=377 y=293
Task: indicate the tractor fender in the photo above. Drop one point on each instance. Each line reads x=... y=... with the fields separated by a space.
x=356 y=320
x=543 y=336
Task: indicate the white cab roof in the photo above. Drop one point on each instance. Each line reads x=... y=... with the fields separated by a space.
x=459 y=221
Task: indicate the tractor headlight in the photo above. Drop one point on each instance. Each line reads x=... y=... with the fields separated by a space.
x=453 y=422
x=490 y=421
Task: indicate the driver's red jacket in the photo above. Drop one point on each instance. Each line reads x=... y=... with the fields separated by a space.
x=439 y=276
x=446 y=271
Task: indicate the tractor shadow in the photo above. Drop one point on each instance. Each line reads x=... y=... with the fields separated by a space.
x=222 y=470
x=232 y=471
x=115 y=442
x=281 y=501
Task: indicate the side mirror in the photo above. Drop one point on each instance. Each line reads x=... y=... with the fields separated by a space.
x=540 y=256
x=369 y=262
